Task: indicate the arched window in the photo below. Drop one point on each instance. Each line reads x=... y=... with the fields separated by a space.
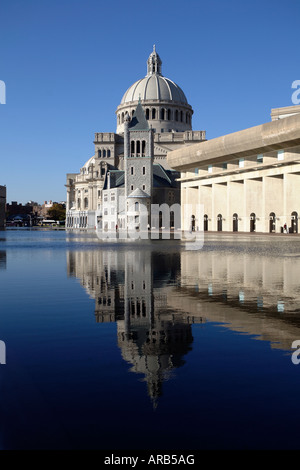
x=252 y=222
x=219 y=222
x=143 y=147
x=86 y=203
x=162 y=114
x=99 y=153
x=78 y=203
x=108 y=153
x=147 y=114
x=122 y=118
x=132 y=113
x=132 y=147
x=104 y=153
x=294 y=222
x=176 y=115
x=272 y=226
x=205 y=223
x=235 y=221
x=153 y=113
x=181 y=116
x=138 y=147
x=136 y=207
x=169 y=115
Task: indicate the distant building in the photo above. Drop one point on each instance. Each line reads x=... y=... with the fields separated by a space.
x=153 y=118
x=2 y=205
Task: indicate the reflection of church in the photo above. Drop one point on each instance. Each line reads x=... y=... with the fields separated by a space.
x=153 y=337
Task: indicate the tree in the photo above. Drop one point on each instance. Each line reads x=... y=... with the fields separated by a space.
x=57 y=212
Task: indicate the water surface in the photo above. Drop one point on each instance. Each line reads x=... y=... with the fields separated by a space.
x=147 y=345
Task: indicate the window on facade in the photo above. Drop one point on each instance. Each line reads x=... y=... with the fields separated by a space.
x=86 y=202
x=224 y=166
x=162 y=114
x=108 y=153
x=209 y=169
x=260 y=158
x=147 y=114
x=105 y=211
x=99 y=153
x=131 y=170
x=196 y=171
x=143 y=147
x=280 y=155
x=136 y=206
x=153 y=113
x=99 y=193
x=136 y=219
x=104 y=153
x=131 y=187
x=138 y=147
x=132 y=147
x=112 y=211
x=105 y=197
x=176 y=115
x=169 y=115
x=241 y=162
x=144 y=187
x=112 y=196
x=144 y=170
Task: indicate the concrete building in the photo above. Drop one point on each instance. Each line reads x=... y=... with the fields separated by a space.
x=156 y=107
x=248 y=181
x=2 y=205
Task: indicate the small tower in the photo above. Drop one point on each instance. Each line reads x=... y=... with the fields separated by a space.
x=138 y=166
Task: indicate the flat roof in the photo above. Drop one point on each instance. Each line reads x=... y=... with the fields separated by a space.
x=273 y=135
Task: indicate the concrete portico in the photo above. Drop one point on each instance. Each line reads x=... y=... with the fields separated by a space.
x=248 y=181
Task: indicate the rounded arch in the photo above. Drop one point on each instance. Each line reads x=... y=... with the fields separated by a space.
x=235 y=222
x=294 y=222
x=252 y=222
x=272 y=222
x=219 y=222
x=205 y=223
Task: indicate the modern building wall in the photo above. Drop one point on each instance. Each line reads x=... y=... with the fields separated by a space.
x=247 y=181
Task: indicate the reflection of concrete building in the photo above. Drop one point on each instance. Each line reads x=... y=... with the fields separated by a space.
x=251 y=292
x=152 y=338
x=248 y=181
x=2 y=205
x=153 y=118
x=254 y=292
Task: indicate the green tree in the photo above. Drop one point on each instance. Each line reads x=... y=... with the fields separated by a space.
x=57 y=212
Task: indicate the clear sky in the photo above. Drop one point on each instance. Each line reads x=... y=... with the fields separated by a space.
x=67 y=63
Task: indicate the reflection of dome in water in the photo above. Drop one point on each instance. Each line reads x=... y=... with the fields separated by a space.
x=155 y=353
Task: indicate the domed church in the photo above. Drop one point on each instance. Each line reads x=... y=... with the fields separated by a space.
x=130 y=165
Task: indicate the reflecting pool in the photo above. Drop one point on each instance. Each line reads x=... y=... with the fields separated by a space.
x=148 y=345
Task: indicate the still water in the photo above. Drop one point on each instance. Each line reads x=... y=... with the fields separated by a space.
x=148 y=345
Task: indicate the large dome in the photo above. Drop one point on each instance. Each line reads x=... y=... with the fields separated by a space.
x=154 y=87
x=164 y=103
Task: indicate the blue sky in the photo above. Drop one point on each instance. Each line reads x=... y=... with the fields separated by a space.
x=66 y=65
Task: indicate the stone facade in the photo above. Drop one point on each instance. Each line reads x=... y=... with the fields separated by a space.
x=248 y=181
x=169 y=119
x=2 y=205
